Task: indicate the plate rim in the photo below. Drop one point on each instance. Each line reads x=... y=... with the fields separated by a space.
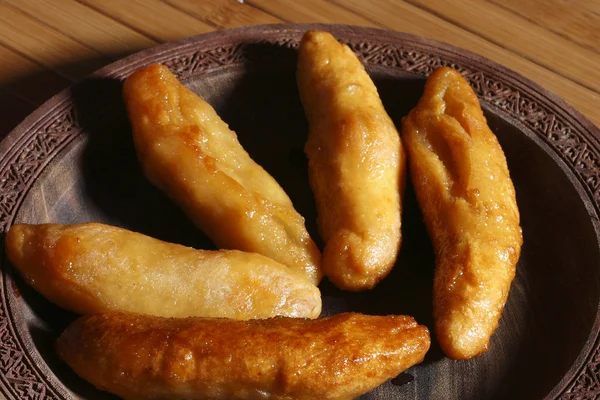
x=109 y=69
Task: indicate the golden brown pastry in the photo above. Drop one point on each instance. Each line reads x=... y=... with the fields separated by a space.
x=468 y=201
x=188 y=152
x=339 y=357
x=92 y=268
x=356 y=163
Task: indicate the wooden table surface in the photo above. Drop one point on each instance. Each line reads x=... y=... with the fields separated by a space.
x=45 y=45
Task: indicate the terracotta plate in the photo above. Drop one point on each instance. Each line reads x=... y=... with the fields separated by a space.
x=73 y=161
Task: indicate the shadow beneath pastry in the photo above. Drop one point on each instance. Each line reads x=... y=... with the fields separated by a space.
x=113 y=179
x=47 y=314
x=35 y=309
x=45 y=322
x=44 y=340
x=398 y=96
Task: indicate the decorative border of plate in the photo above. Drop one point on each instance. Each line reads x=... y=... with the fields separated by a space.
x=41 y=136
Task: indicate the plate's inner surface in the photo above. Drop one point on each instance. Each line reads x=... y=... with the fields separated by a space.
x=546 y=321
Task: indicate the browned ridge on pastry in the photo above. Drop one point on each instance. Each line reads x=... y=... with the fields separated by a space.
x=464 y=189
x=356 y=163
x=93 y=267
x=188 y=152
x=339 y=357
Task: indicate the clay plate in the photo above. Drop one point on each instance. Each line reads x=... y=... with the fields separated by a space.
x=73 y=161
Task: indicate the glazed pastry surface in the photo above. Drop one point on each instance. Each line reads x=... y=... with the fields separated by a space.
x=464 y=190
x=187 y=151
x=144 y=357
x=92 y=267
x=356 y=164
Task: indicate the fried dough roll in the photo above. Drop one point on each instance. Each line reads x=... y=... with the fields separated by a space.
x=339 y=357
x=187 y=151
x=468 y=201
x=356 y=163
x=92 y=268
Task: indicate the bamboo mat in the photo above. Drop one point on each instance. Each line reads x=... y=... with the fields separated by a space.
x=45 y=45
